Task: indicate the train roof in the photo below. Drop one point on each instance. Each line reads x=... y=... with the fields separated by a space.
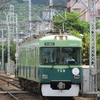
x=52 y=37
x=70 y=41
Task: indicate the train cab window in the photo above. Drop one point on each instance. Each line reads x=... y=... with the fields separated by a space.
x=59 y=55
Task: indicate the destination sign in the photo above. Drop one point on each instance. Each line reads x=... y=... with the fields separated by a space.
x=49 y=43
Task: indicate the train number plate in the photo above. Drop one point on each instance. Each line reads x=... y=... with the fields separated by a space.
x=61 y=70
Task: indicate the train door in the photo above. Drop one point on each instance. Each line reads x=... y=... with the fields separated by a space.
x=32 y=62
x=26 y=69
x=29 y=62
x=24 y=62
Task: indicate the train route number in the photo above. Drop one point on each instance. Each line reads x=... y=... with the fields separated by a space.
x=61 y=70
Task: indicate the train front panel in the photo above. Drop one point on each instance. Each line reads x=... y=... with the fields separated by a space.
x=57 y=75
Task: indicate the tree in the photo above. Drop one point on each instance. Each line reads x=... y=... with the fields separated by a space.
x=77 y=27
x=71 y=22
x=98 y=43
x=12 y=51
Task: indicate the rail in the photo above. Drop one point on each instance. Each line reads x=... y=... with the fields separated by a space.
x=11 y=81
x=9 y=93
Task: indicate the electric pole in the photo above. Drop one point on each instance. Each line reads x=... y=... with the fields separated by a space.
x=10 y=23
x=2 y=69
x=30 y=24
x=16 y=54
x=93 y=64
x=92 y=61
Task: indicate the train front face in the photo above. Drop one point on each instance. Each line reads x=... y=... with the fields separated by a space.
x=59 y=76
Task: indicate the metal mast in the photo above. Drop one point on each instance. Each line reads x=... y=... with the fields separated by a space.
x=51 y=4
x=17 y=37
x=93 y=64
x=2 y=68
x=30 y=29
x=10 y=22
x=51 y=13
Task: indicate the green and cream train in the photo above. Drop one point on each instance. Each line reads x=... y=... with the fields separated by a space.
x=43 y=66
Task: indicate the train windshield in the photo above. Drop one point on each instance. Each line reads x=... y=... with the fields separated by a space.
x=60 y=55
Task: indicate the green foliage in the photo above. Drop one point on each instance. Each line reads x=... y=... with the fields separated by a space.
x=77 y=27
x=98 y=43
x=76 y=33
x=87 y=37
x=72 y=22
x=12 y=51
x=98 y=25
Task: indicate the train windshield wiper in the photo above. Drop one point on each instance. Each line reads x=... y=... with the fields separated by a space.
x=53 y=66
x=68 y=65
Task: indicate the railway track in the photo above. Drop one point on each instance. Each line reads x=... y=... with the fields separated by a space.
x=15 y=83
x=11 y=81
x=14 y=89
x=13 y=94
x=7 y=92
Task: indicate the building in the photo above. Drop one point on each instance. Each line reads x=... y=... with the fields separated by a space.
x=74 y=5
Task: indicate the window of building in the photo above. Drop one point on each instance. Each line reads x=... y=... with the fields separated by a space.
x=98 y=10
x=98 y=15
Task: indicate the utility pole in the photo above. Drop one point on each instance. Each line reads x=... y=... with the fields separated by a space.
x=51 y=13
x=30 y=24
x=2 y=69
x=8 y=67
x=68 y=5
x=30 y=18
x=16 y=55
x=51 y=10
x=93 y=64
x=10 y=23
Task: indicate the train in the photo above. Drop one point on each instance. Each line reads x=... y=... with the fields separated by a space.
x=42 y=66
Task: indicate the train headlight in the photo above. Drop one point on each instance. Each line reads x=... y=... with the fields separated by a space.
x=64 y=37
x=61 y=37
x=57 y=38
x=75 y=71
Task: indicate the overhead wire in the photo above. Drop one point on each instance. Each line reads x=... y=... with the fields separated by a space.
x=39 y=9
x=74 y=3
x=85 y=11
x=79 y=15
